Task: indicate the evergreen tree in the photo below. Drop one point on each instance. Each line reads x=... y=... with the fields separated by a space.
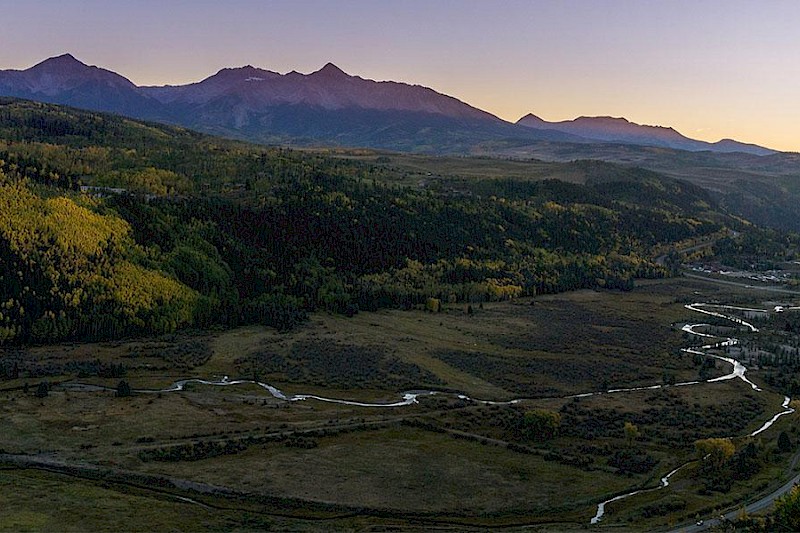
x=784 y=443
x=43 y=390
x=123 y=389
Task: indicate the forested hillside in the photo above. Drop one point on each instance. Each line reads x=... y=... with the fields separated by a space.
x=112 y=227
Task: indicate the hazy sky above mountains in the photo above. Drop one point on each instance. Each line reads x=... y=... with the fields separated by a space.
x=711 y=69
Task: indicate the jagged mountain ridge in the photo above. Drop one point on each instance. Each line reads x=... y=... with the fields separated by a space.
x=330 y=106
x=327 y=88
x=326 y=107
x=67 y=81
x=621 y=130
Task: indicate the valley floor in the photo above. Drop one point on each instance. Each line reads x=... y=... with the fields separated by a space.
x=477 y=453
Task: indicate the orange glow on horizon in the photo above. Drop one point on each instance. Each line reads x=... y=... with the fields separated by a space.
x=711 y=70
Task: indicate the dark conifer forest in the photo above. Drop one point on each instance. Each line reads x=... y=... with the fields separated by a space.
x=111 y=227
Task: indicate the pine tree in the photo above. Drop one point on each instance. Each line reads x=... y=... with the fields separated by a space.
x=123 y=389
x=784 y=443
x=43 y=390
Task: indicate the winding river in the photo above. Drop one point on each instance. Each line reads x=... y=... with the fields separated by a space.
x=738 y=371
x=601 y=507
x=408 y=398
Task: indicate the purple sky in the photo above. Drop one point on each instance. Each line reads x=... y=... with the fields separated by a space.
x=711 y=69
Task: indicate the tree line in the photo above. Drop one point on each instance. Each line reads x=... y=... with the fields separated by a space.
x=204 y=231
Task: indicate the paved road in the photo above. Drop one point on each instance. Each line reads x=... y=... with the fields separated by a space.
x=759 y=505
x=768 y=500
x=707 y=244
x=741 y=285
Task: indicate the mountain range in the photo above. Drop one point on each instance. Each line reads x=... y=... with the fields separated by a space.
x=326 y=107
x=620 y=130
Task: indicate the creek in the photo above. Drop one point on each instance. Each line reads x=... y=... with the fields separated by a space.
x=738 y=371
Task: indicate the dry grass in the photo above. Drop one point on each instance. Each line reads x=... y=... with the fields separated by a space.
x=410 y=470
x=564 y=343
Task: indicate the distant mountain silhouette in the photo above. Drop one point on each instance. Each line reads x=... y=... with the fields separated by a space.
x=331 y=107
x=620 y=130
x=327 y=88
x=326 y=107
x=65 y=80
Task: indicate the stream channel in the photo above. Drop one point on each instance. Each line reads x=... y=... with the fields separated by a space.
x=738 y=371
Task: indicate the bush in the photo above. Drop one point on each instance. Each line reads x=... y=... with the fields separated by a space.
x=629 y=461
x=434 y=305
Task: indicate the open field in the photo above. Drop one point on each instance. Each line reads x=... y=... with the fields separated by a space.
x=444 y=461
x=553 y=345
x=408 y=469
x=423 y=170
x=41 y=501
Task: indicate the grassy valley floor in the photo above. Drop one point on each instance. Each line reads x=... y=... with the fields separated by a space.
x=252 y=461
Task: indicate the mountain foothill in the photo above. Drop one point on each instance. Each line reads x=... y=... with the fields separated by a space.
x=133 y=210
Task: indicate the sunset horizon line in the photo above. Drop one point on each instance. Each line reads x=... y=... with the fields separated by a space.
x=543 y=115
